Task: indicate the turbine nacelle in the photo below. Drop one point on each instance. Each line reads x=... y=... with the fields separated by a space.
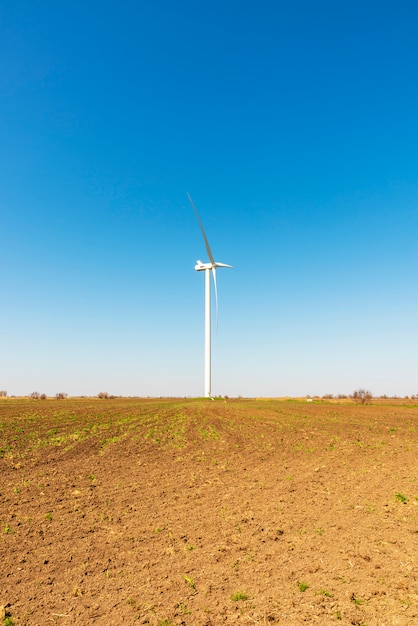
x=199 y=267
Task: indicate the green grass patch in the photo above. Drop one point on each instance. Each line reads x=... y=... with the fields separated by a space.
x=239 y=596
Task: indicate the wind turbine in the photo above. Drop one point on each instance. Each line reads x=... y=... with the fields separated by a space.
x=208 y=268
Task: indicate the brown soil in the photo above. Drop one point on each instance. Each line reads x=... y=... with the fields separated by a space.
x=208 y=512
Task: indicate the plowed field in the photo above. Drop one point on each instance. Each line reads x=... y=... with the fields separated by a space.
x=199 y=512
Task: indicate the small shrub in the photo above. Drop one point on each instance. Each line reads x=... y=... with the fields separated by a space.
x=303 y=586
x=61 y=395
x=35 y=395
x=362 y=396
x=103 y=395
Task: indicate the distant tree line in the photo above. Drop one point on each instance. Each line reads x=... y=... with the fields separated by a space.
x=35 y=395
x=362 y=396
x=103 y=395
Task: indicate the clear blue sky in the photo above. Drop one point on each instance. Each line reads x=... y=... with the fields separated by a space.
x=294 y=127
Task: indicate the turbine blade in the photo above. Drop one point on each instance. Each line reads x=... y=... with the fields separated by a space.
x=216 y=294
x=209 y=251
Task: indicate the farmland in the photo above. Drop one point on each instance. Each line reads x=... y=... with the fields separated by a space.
x=199 y=512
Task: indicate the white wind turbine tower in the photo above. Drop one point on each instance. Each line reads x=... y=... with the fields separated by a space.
x=208 y=268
